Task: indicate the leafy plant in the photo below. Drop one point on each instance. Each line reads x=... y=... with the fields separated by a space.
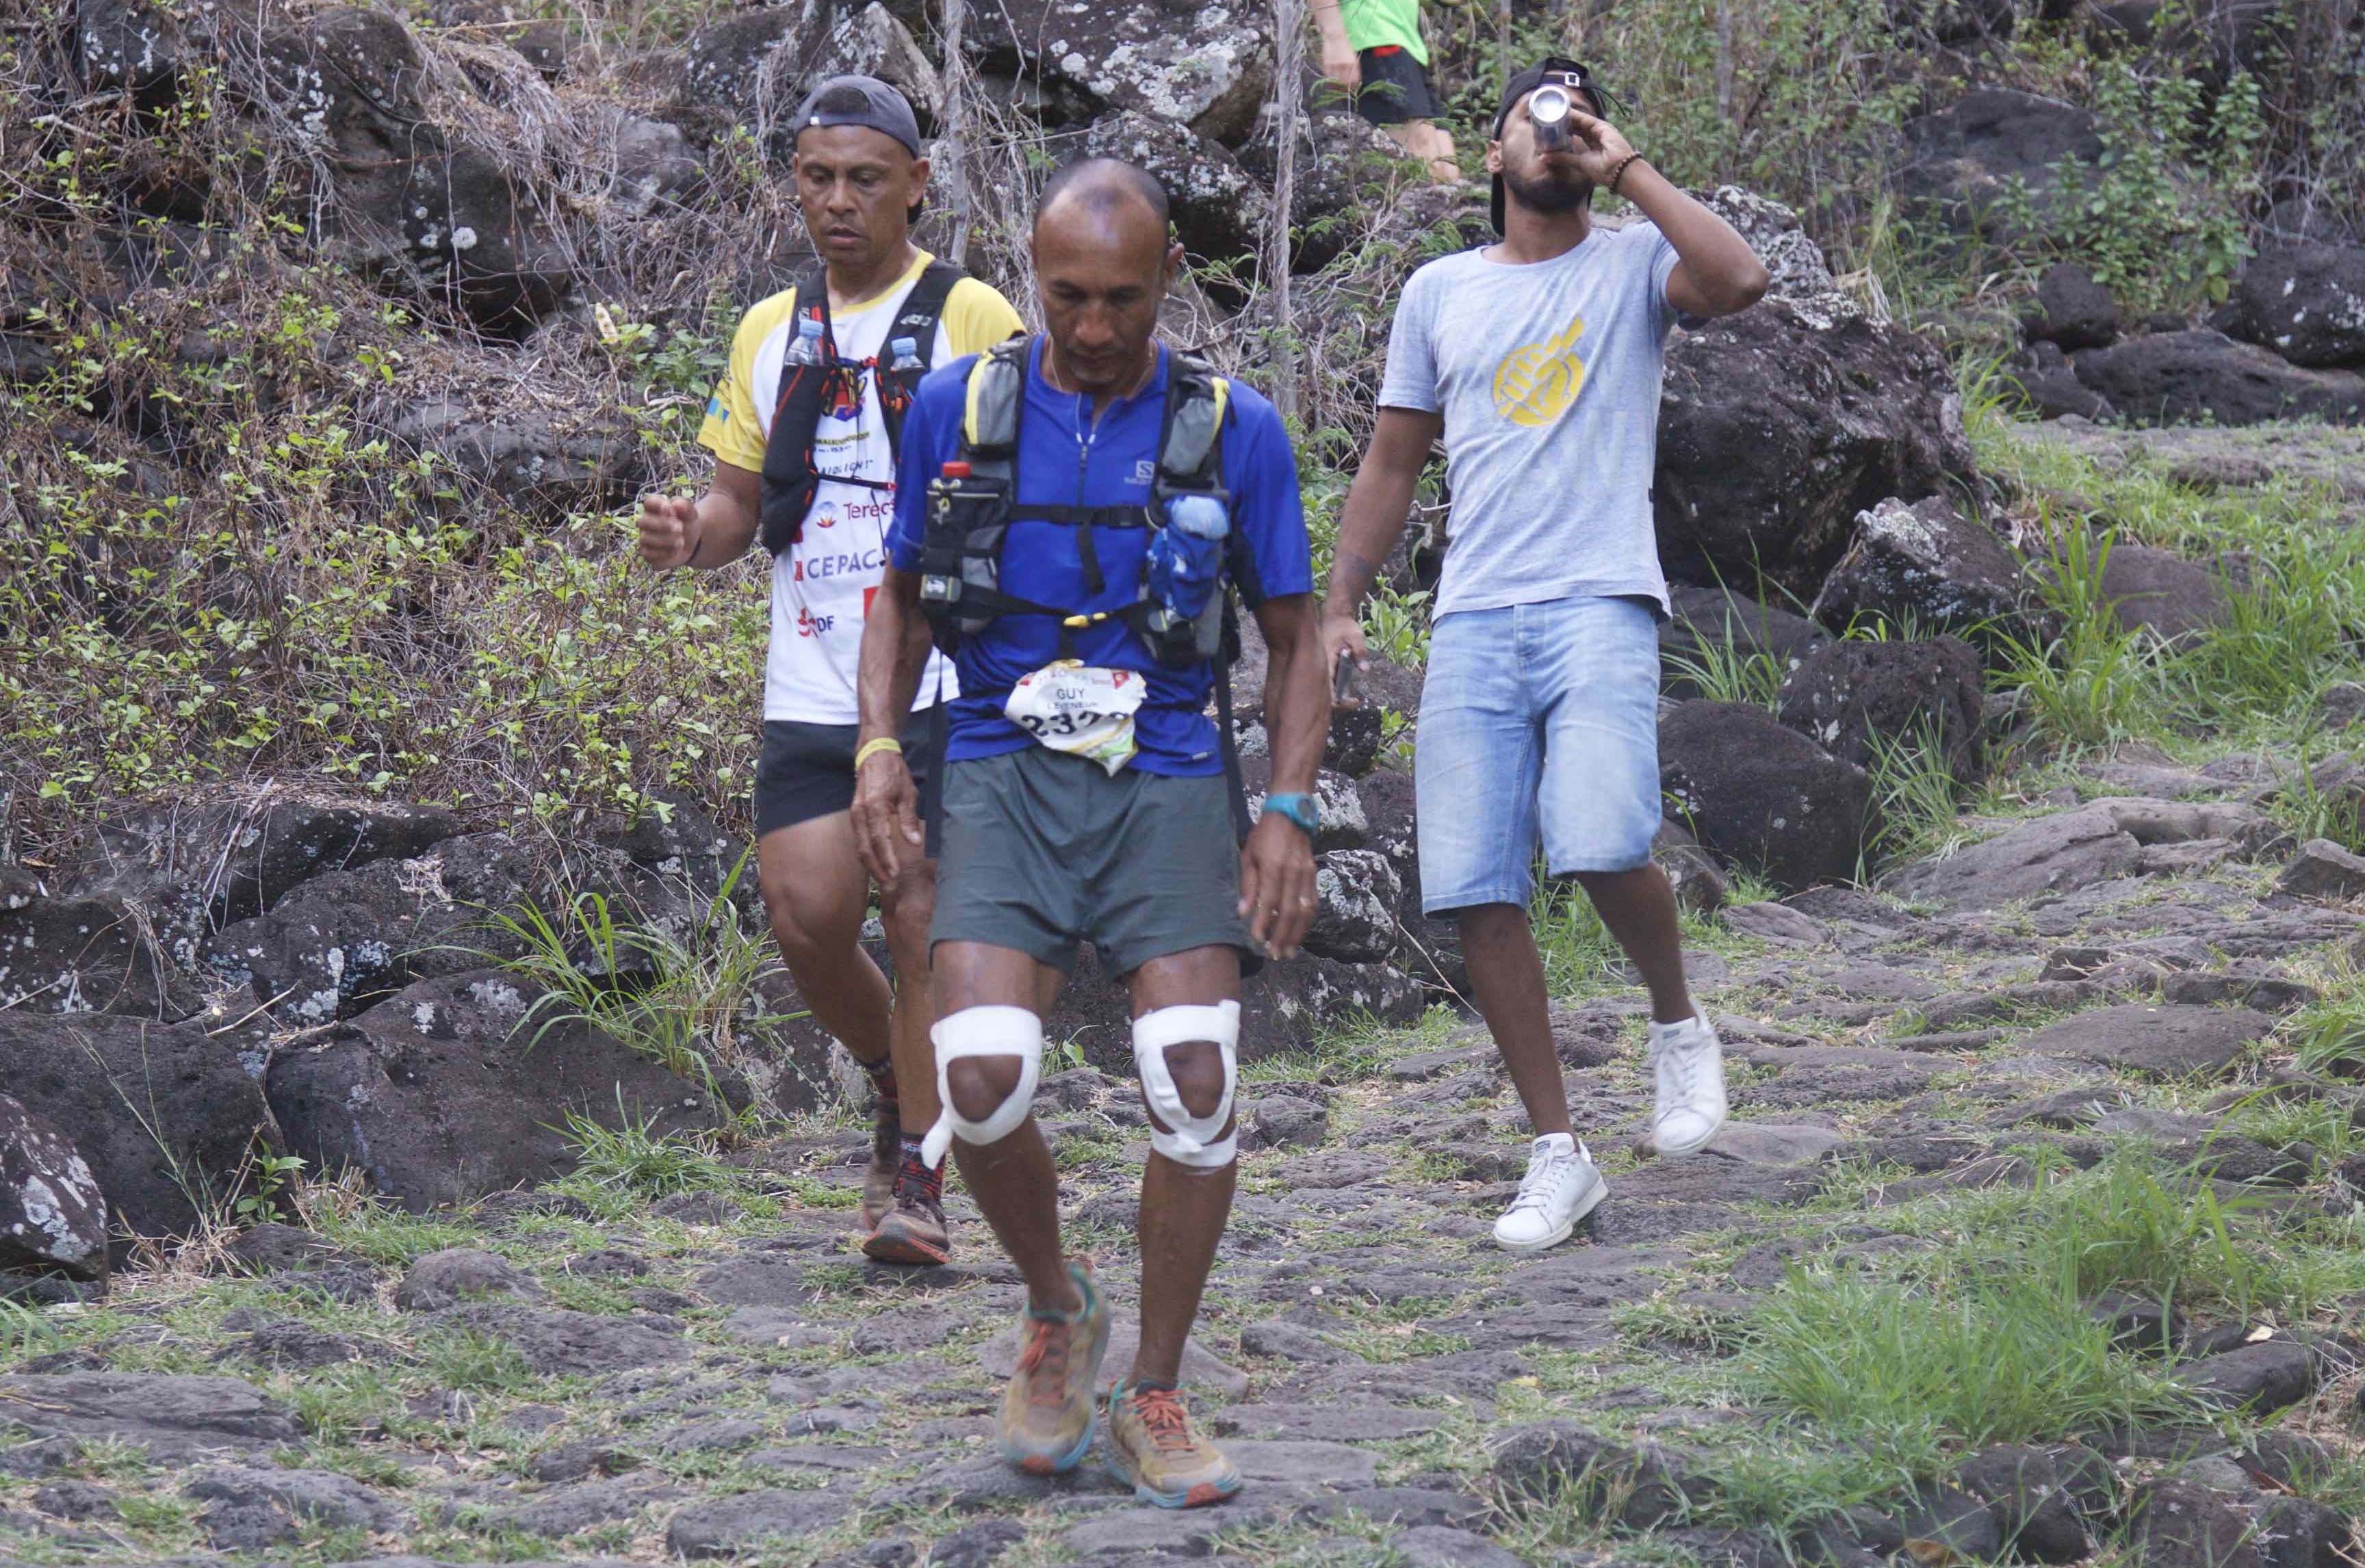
x=1397 y=625
x=274 y=1175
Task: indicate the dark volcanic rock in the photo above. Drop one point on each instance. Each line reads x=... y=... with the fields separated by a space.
x=1852 y=698
x=1967 y=159
x=558 y=1343
x=443 y=1091
x=1778 y=425
x=2073 y=311
x=175 y=1419
x=250 y=1510
x=2323 y=869
x=2305 y=302
x=1207 y=67
x=2165 y=1040
x=52 y=1215
x=2162 y=591
x=2049 y=385
x=2183 y=1524
x=1953 y=1520
x=1706 y=621
x=546 y=464
x=346 y=940
x=198 y=865
x=2259 y=1379
x=1757 y=794
x=91 y=953
x=1288 y=1006
x=2189 y=377
x=2033 y=1513
x=2054 y=854
x=728 y=1525
x=1355 y=918
x=457 y=1274
x=146 y=1104
x=1927 y=566
x=1219 y=212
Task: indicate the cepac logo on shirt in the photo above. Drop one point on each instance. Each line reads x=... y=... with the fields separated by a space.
x=1535 y=384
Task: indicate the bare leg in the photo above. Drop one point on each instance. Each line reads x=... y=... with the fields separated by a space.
x=905 y=910
x=1509 y=977
x=1639 y=908
x=1424 y=139
x=1015 y=1183
x=1183 y=1208
x=815 y=891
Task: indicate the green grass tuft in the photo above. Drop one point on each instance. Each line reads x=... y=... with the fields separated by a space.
x=1910 y=1372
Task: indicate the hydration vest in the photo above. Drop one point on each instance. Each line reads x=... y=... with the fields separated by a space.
x=972 y=505
x=789 y=477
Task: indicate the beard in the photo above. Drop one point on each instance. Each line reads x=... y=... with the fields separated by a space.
x=1544 y=192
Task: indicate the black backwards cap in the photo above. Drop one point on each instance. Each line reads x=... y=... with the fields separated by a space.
x=859 y=100
x=1556 y=68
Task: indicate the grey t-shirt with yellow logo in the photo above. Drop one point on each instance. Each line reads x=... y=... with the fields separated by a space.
x=1548 y=377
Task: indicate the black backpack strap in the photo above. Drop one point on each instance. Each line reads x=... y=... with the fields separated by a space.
x=923 y=312
x=790 y=478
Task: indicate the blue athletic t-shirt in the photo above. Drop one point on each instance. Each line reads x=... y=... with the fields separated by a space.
x=1065 y=459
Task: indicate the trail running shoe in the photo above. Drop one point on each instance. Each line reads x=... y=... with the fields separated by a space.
x=1687 y=1060
x=886 y=1160
x=1048 y=1411
x=1559 y=1187
x=913 y=1230
x=1155 y=1450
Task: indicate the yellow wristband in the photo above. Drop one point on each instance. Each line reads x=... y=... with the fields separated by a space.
x=873 y=746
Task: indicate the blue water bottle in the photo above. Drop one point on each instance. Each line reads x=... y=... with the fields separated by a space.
x=1187 y=556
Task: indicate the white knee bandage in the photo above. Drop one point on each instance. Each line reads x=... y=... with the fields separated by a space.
x=984 y=1032
x=1194 y=1140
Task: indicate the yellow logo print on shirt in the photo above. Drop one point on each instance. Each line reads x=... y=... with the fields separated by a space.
x=1535 y=384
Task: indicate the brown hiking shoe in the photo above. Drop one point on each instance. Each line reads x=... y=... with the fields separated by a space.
x=912 y=1231
x=886 y=1161
x=1048 y=1411
x=1155 y=1450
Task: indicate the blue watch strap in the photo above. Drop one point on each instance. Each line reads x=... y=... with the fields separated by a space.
x=1300 y=809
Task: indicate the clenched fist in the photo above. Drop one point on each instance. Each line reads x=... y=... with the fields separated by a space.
x=669 y=531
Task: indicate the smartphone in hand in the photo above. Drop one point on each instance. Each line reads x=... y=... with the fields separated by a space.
x=1346 y=681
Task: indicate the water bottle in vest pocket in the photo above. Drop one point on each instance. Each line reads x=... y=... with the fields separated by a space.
x=1186 y=557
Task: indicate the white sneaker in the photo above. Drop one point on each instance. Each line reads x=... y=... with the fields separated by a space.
x=1559 y=1187
x=1688 y=1062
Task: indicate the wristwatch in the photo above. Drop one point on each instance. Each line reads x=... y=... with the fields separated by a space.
x=1302 y=810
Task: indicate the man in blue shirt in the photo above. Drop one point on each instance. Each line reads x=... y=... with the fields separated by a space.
x=1085 y=799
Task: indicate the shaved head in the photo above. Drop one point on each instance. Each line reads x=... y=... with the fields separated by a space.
x=1102 y=186
x=1103 y=262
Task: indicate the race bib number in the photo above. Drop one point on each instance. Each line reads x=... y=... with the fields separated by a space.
x=1080 y=708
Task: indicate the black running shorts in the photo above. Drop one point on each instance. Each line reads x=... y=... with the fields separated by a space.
x=807 y=770
x=1396 y=88
x=1042 y=850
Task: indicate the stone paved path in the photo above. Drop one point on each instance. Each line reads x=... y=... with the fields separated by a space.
x=713 y=1371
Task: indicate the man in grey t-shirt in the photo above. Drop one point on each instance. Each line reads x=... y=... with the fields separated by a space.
x=1539 y=360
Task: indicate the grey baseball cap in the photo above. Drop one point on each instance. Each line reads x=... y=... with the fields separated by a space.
x=860 y=100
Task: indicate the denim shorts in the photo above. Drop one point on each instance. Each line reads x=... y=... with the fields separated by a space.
x=1538 y=722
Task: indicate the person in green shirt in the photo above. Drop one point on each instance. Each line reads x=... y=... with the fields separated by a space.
x=1373 y=49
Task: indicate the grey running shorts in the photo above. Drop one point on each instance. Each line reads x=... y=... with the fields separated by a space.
x=1042 y=850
